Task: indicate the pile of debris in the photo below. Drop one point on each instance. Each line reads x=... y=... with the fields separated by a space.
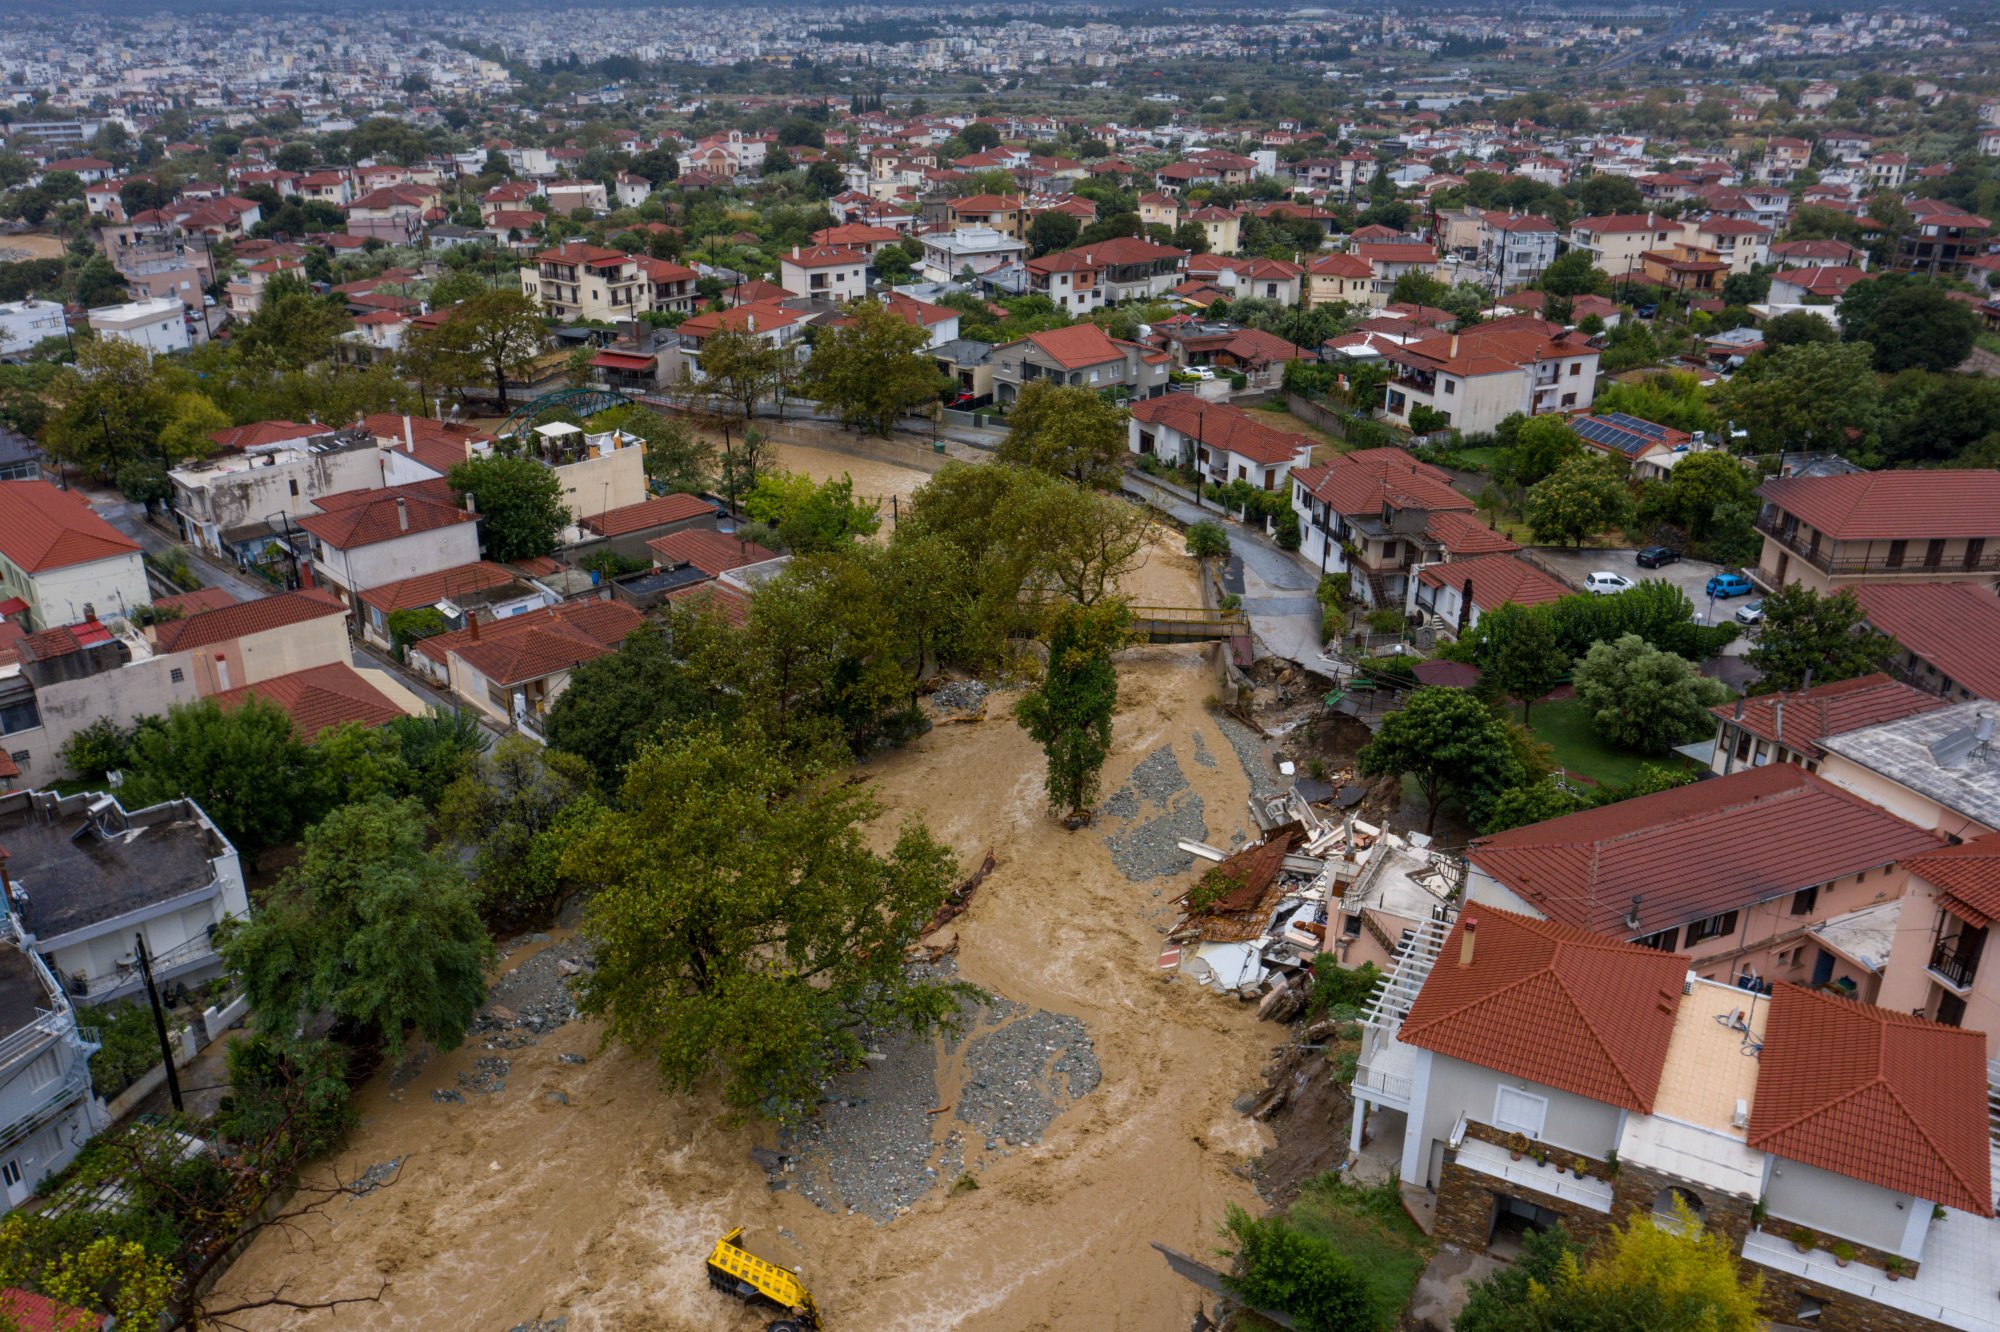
x=1257 y=918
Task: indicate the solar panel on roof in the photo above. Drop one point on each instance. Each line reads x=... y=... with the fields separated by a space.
x=1644 y=427
x=1598 y=430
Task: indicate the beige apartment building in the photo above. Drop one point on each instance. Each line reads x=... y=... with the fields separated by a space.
x=1832 y=532
x=574 y=281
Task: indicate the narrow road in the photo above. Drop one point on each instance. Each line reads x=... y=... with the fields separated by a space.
x=130 y=519
x=1278 y=587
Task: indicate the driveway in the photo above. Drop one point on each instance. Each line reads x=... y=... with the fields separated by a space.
x=1690 y=576
x=130 y=519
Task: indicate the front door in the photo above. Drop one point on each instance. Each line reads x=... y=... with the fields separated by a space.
x=14 y=1182
x=1822 y=967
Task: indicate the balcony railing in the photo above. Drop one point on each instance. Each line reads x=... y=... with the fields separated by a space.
x=1954 y=964
x=1914 y=562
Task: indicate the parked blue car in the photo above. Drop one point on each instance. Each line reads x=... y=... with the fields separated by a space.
x=1729 y=585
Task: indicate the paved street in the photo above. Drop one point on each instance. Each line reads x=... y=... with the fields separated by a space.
x=1690 y=576
x=130 y=519
x=1277 y=586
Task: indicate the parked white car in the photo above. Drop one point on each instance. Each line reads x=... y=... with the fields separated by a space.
x=1605 y=583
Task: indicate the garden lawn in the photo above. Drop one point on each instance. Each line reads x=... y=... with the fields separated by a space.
x=1370 y=1226
x=1329 y=444
x=1564 y=726
x=1483 y=457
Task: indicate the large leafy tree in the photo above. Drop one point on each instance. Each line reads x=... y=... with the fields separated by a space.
x=820 y=663
x=1806 y=396
x=1067 y=431
x=520 y=504
x=516 y=812
x=1451 y=744
x=1069 y=712
x=1643 y=699
x=661 y=674
x=1541 y=445
x=1807 y=633
x=372 y=926
x=1579 y=500
x=745 y=931
x=1909 y=322
x=497 y=334
x=245 y=767
x=678 y=459
x=1519 y=655
x=1707 y=495
x=293 y=328
x=871 y=369
x=1285 y=1269
x=812 y=517
x=739 y=367
x=108 y=409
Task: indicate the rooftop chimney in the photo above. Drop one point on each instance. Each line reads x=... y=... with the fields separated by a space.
x=409 y=436
x=1467 y=927
x=471 y=503
x=402 y=513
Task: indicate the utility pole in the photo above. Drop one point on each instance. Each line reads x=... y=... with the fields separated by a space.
x=160 y=1025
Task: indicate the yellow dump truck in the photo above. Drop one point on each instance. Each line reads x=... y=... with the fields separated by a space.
x=739 y=1272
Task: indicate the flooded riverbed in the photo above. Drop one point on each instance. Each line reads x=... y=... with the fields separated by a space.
x=582 y=1190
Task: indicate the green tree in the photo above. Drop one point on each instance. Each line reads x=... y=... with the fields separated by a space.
x=293 y=328
x=1580 y=499
x=811 y=517
x=1519 y=655
x=190 y=423
x=1797 y=326
x=1208 y=541
x=1643 y=699
x=1909 y=322
x=108 y=409
x=678 y=460
x=498 y=333
x=107 y=1274
x=1285 y=1270
x=1536 y=802
x=1069 y=712
x=357 y=762
x=1067 y=431
x=1808 y=633
x=1805 y=397
x=437 y=747
x=1452 y=745
x=1697 y=494
x=820 y=668
x=370 y=925
x=1574 y=274
x=296 y=1089
x=520 y=504
x=1541 y=445
x=245 y=767
x=516 y=812
x=739 y=367
x=1052 y=230
x=1416 y=287
x=657 y=677
x=871 y=369
x=746 y=932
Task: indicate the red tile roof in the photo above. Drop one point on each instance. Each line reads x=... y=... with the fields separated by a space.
x=823 y=256
x=42 y=527
x=228 y=623
x=266 y=432
x=1847 y=705
x=318 y=698
x=1463 y=535
x=427 y=589
x=1079 y=345
x=1552 y=1004
x=363 y=518
x=1875 y=1095
x=731 y=605
x=197 y=601
x=1891 y=506
x=539 y=643
x=709 y=551
x=655 y=512
x=32 y=1312
x=1362 y=481
x=1221 y=426
x=1968 y=877
x=1696 y=851
x=1496 y=580
x=1953 y=626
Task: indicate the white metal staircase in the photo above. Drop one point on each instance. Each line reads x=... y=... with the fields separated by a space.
x=1993 y=1124
x=1392 y=999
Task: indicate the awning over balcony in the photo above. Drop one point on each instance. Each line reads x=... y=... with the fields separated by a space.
x=632 y=362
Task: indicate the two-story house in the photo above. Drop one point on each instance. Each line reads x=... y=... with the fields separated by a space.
x=1516 y=246
x=1129 y=268
x=364 y=538
x=60 y=562
x=1938 y=769
x=673 y=285
x=1081 y=355
x=1478 y=378
x=824 y=272
x=1390 y=259
x=1947 y=635
x=575 y=281
x=1379 y=515
x=86 y=878
x=1616 y=241
x=1459 y=589
x=513 y=670
x=1224 y=443
x=1937 y=962
x=47 y=1111
x=235 y=502
x=1346 y=278
x=1542 y=1074
x=1831 y=532
x=1068 y=278
x=1732 y=240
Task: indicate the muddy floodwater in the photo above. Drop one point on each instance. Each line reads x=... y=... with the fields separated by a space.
x=581 y=1190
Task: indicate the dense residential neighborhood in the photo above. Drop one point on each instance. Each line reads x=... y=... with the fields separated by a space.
x=795 y=667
